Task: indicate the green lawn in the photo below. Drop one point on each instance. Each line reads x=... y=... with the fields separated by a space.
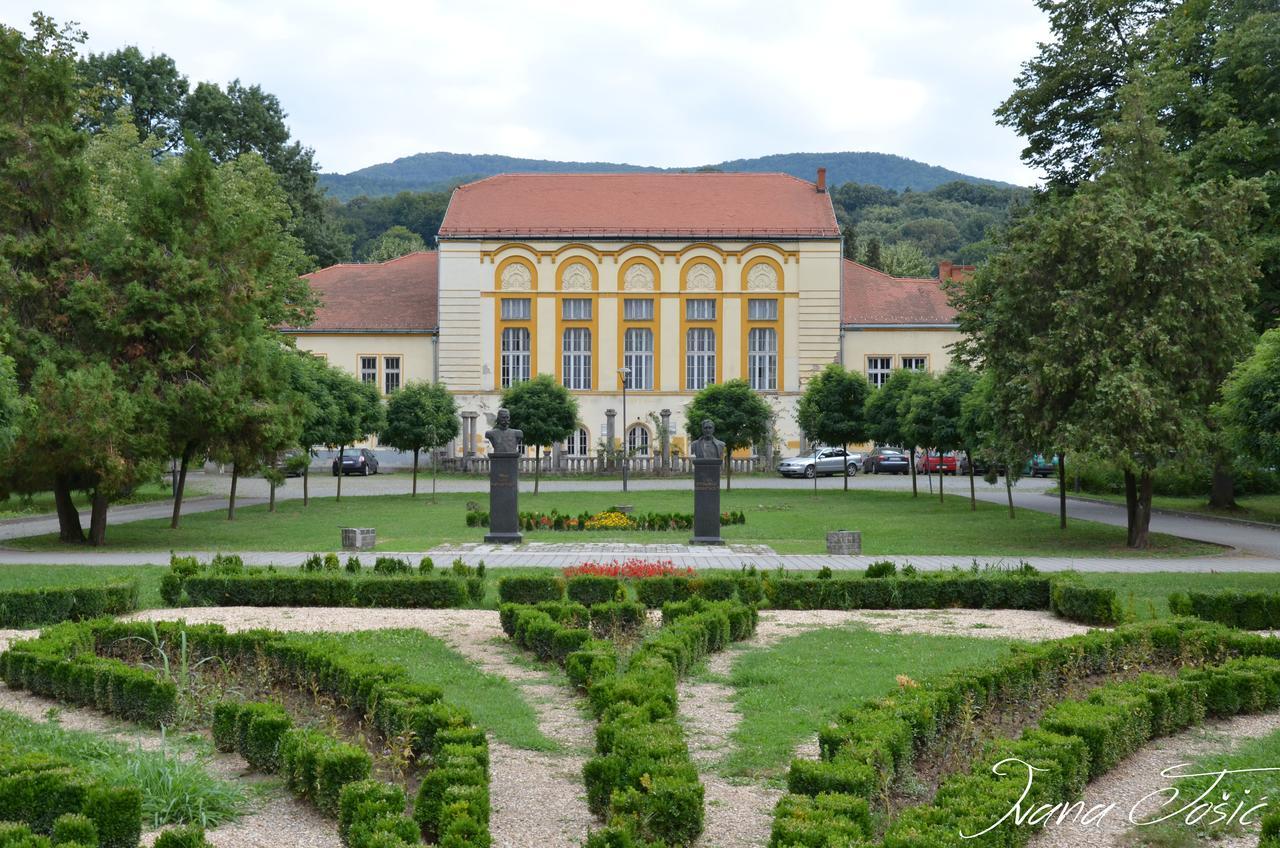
x=791 y=521
x=48 y=576
x=1261 y=508
x=785 y=693
x=1147 y=595
x=494 y=702
x=19 y=506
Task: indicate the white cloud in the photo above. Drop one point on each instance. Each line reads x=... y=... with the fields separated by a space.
x=662 y=82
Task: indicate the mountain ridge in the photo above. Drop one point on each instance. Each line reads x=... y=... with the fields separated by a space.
x=442 y=170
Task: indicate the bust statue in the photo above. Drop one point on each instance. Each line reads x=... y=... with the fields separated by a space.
x=708 y=446
x=502 y=437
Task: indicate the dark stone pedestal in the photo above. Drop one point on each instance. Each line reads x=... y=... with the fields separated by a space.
x=706 y=502
x=504 y=498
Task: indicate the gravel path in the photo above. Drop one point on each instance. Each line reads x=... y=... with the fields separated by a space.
x=537 y=798
x=1139 y=776
x=740 y=814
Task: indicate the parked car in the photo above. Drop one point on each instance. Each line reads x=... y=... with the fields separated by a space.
x=1040 y=466
x=886 y=461
x=980 y=465
x=927 y=463
x=290 y=462
x=357 y=462
x=823 y=461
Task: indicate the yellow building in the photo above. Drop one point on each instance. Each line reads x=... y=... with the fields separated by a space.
x=674 y=280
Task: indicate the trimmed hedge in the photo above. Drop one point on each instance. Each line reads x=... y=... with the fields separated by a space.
x=926 y=591
x=28 y=607
x=190 y=836
x=530 y=589
x=252 y=729
x=1246 y=610
x=592 y=589
x=1074 y=601
x=263 y=588
x=43 y=794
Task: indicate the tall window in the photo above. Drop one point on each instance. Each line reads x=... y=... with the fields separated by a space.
x=576 y=309
x=637 y=309
x=878 y=369
x=762 y=309
x=390 y=374
x=638 y=440
x=700 y=358
x=369 y=369
x=700 y=309
x=516 y=309
x=762 y=359
x=516 y=355
x=915 y=363
x=637 y=354
x=578 y=444
x=575 y=370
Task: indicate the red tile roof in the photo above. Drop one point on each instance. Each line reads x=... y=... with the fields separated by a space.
x=396 y=295
x=874 y=297
x=701 y=205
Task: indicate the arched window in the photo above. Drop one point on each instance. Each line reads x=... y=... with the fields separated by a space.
x=575 y=370
x=700 y=358
x=762 y=359
x=579 y=444
x=638 y=440
x=516 y=355
x=637 y=355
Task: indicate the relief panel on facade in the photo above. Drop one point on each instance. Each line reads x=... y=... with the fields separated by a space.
x=639 y=277
x=516 y=277
x=762 y=277
x=576 y=277
x=700 y=277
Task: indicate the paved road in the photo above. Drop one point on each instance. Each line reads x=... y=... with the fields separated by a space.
x=39 y=525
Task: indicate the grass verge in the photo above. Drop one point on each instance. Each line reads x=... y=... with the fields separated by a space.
x=1264 y=509
x=790 y=521
x=495 y=703
x=785 y=693
x=41 y=503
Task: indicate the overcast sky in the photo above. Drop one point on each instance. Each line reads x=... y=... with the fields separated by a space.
x=686 y=82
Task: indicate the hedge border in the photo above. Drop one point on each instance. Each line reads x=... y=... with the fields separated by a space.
x=38 y=791
x=26 y=607
x=1245 y=610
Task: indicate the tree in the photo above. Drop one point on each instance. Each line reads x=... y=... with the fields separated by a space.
x=393 y=243
x=933 y=412
x=886 y=415
x=10 y=404
x=148 y=89
x=904 y=259
x=872 y=259
x=981 y=430
x=832 y=409
x=740 y=415
x=357 y=414
x=1250 y=407
x=1100 y=356
x=309 y=384
x=420 y=416
x=849 y=242
x=546 y=413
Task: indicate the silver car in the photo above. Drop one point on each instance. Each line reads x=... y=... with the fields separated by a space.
x=823 y=461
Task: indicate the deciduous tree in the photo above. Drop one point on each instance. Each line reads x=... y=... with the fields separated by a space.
x=739 y=413
x=420 y=416
x=545 y=411
x=886 y=416
x=832 y=409
x=1250 y=407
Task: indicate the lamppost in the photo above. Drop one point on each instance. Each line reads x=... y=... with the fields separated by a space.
x=625 y=373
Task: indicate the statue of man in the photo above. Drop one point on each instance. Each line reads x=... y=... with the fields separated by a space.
x=708 y=446
x=502 y=437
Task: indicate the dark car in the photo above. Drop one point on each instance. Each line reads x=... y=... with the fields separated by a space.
x=1040 y=466
x=357 y=462
x=980 y=465
x=886 y=461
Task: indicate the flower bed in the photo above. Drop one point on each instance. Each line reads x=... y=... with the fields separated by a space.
x=609 y=519
x=628 y=569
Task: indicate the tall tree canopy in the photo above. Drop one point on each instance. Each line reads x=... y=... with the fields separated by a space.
x=395 y=242
x=545 y=411
x=832 y=409
x=739 y=413
x=1250 y=408
x=420 y=416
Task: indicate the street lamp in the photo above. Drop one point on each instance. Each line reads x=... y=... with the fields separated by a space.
x=625 y=373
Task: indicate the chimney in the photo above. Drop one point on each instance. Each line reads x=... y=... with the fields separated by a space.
x=944 y=270
x=822 y=179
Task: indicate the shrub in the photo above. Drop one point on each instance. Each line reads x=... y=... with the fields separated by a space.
x=365 y=801
x=884 y=568
x=259 y=730
x=316 y=766
x=934 y=591
x=391 y=565
x=353 y=564
x=530 y=589
x=190 y=836
x=653 y=592
x=263 y=588
x=226 y=733
x=312 y=563
x=117 y=813
x=1246 y=610
x=590 y=590
x=27 y=607
x=74 y=827
x=1075 y=601
x=426 y=565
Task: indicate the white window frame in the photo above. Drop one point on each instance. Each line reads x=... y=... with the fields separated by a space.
x=700 y=358
x=637 y=309
x=575 y=362
x=367 y=368
x=700 y=309
x=575 y=309
x=638 y=358
x=517 y=308
x=915 y=363
x=762 y=358
x=637 y=440
x=762 y=309
x=517 y=356
x=390 y=370
x=878 y=370
x=578 y=444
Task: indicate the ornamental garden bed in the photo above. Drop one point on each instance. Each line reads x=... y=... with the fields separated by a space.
x=609 y=519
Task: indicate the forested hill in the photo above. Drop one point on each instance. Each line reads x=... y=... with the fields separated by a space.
x=442 y=171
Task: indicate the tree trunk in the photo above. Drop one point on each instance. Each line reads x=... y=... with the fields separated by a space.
x=434 y=466
x=1142 y=533
x=846 y=465
x=1062 y=491
x=728 y=476
x=537 y=467
x=69 y=529
x=973 y=492
x=271 y=505
x=1222 y=491
x=415 y=473
x=187 y=453
x=98 y=520
x=342 y=451
x=1008 y=490
x=914 y=492
x=941 y=474
x=231 y=499
x=1130 y=507
x=306 y=478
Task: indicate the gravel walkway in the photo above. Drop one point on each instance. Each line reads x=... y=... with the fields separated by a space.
x=537 y=798
x=1139 y=776
x=740 y=814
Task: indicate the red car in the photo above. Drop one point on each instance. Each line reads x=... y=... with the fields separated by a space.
x=928 y=463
